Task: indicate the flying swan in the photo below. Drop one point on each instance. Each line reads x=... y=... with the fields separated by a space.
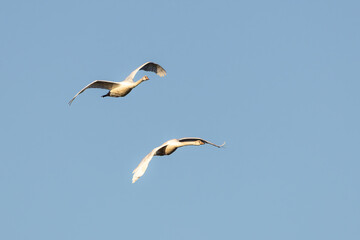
x=167 y=148
x=121 y=89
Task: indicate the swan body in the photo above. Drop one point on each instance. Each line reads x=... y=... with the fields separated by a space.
x=167 y=148
x=121 y=89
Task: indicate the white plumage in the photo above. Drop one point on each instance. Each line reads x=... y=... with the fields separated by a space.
x=167 y=148
x=121 y=89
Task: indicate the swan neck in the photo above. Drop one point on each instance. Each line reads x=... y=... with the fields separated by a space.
x=187 y=144
x=138 y=82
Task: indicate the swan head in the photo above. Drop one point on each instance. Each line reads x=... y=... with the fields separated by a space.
x=145 y=78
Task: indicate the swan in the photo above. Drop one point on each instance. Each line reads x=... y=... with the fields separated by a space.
x=121 y=89
x=167 y=148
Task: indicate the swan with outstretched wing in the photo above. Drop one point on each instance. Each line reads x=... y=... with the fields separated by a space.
x=167 y=148
x=121 y=89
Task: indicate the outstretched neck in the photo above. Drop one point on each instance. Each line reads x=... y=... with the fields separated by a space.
x=140 y=81
x=182 y=144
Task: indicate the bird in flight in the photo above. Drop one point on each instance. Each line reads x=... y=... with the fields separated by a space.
x=121 y=89
x=167 y=148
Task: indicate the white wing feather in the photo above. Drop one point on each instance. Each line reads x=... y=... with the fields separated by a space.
x=141 y=168
x=96 y=84
x=149 y=67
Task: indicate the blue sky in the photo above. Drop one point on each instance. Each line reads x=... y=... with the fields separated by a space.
x=277 y=80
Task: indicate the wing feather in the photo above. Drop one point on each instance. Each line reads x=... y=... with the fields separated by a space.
x=149 y=67
x=141 y=168
x=96 y=84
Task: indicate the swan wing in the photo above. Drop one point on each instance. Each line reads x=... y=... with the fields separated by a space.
x=192 y=139
x=96 y=84
x=141 y=168
x=149 y=67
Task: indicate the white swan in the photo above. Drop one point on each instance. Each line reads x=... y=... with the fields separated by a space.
x=121 y=89
x=167 y=148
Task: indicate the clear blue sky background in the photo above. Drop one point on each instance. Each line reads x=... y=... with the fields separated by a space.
x=277 y=80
